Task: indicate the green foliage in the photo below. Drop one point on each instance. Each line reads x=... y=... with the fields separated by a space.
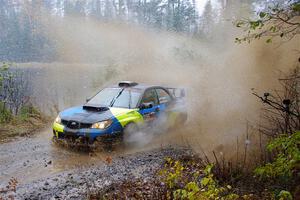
x=284 y=169
x=5 y=115
x=172 y=175
x=285 y=195
x=281 y=20
x=25 y=113
x=287 y=159
x=296 y=7
x=190 y=191
x=28 y=111
x=14 y=105
x=198 y=187
x=15 y=88
x=269 y=40
x=277 y=177
x=262 y=14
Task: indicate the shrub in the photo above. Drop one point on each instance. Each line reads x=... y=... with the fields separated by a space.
x=5 y=115
x=286 y=161
x=28 y=111
x=283 y=171
x=14 y=94
x=186 y=182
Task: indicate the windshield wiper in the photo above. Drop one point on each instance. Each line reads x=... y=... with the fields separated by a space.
x=114 y=99
x=129 y=103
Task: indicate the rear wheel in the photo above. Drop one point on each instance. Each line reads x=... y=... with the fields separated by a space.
x=180 y=121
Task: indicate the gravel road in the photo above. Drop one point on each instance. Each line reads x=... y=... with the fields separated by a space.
x=79 y=183
x=48 y=171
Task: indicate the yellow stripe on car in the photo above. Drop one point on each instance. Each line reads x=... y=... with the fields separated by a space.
x=125 y=115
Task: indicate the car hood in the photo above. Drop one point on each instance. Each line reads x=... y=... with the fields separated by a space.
x=82 y=115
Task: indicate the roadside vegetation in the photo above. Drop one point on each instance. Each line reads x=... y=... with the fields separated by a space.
x=197 y=178
x=18 y=116
x=277 y=175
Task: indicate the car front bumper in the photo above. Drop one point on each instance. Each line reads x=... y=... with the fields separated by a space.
x=61 y=132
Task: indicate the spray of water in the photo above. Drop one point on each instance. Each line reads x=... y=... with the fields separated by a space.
x=218 y=75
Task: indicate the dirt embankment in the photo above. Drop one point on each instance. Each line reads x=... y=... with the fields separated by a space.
x=81 y=182
x=17 y=128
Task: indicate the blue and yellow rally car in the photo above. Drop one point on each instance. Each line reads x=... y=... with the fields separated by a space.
x=120 y=109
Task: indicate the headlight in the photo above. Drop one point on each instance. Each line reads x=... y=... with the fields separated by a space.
x=58 y=120
x=103 y=124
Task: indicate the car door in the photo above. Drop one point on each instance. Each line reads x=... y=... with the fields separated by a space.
x=166 y=111
x=164 y=99
x=150 y=113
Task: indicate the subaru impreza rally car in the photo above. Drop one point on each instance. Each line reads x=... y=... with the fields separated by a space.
x=119 y=109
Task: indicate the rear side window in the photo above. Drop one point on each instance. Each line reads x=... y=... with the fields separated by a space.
x=163 y=96
x=150 y=96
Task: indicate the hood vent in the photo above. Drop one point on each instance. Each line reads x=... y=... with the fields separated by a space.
x=127 y=84
x=95 y=108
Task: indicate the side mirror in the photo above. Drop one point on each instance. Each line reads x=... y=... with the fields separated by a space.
x=146 y=105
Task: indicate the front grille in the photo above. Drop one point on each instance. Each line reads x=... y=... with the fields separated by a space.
x=64 y=122
x=85 y=125
x=75 y=125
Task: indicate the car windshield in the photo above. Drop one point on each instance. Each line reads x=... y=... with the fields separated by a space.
x=117 y=97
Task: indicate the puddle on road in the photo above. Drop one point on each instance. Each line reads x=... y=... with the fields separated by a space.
x=36 y=157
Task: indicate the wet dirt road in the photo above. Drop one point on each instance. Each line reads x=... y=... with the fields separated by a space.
x=36 y=157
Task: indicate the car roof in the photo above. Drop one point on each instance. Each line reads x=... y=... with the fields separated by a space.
x=139 y=86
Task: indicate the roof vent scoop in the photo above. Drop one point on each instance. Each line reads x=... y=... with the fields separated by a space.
x=127 y=84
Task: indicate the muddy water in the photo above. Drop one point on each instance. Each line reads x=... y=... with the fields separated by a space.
x=36 y=157
x=31 y=158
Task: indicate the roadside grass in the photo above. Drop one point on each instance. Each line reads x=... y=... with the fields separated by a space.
x=18 y=116
x=5 y=114
x=26 y=122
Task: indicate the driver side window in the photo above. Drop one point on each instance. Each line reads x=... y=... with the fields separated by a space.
x=150 y=97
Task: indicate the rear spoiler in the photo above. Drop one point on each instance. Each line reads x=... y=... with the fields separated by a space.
x=177 y=92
